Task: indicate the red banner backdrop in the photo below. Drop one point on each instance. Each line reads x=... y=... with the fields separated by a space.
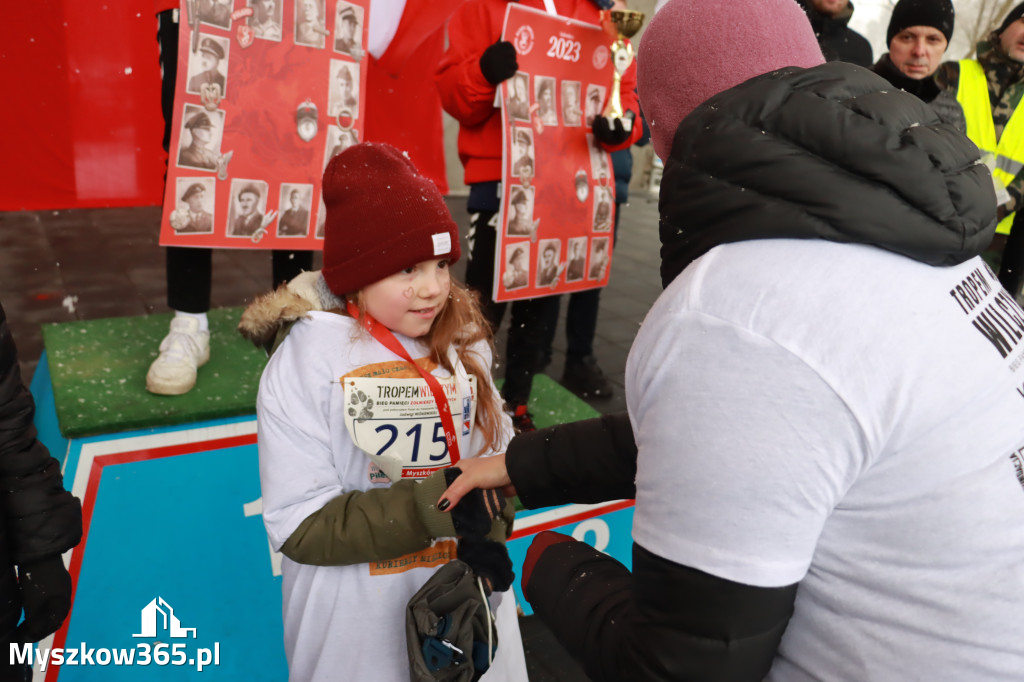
x=558 y=189
x=81 y=120
x=83 y=124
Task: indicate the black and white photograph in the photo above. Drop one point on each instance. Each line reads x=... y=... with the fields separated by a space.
x=294 y=203
x=195 y=205
x=343 y=93
x=248 y=208
x=595 y=96
x=519 y=98
x=572 y=113
x=517 y=272
x=545 y=95
x=548 y=270
x=216 y=12
x=520 y=217
x=208 y=65
x=199 y=141
x=577 y=266
x=265 y=21
x=522 y=154
x=348 y=24
x=310 y=28
x=338 y=140
x=602 y=208
x=598 y=258
x=598 y=159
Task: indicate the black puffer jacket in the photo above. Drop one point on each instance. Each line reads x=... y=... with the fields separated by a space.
x=39 y=519
x=832 y=152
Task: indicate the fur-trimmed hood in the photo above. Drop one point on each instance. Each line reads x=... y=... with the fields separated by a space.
x=269 y=315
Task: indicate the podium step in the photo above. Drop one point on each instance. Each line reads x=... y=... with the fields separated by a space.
x=98 y=370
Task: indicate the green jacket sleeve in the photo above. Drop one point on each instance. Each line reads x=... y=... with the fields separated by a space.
x=384 y=523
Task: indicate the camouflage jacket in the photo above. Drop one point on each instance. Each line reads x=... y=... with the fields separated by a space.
x=1005 y=87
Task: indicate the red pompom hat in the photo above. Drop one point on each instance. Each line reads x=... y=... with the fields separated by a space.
x=382 y=217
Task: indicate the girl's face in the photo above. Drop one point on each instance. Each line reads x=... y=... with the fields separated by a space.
x=409 y=301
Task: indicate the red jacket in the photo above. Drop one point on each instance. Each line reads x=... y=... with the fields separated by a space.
x=469 y=98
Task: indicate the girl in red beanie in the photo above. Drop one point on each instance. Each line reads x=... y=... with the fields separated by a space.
x=380 y=385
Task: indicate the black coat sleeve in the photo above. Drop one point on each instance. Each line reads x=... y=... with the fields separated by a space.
x=663 y=621
x=581 y=462
x=39 y=516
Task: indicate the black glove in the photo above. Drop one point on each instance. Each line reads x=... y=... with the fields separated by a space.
x=498 y=62
x=609 y=133
x=489 y=560
x=477 y=510
x=473 y=515
x=45 y=596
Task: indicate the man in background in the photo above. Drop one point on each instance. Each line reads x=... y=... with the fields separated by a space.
x=918 y=35
x=838 y=42
x=989 y=89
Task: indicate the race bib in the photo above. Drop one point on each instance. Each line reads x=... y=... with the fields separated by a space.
x=396 y=423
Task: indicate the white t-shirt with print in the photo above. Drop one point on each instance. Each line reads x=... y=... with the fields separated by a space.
x=343 y=622
x=851 y=420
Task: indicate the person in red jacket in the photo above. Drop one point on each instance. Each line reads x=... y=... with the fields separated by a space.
x=476 y=63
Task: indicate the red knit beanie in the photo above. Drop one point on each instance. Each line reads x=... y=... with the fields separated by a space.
x=695 y=49
x=382 y=217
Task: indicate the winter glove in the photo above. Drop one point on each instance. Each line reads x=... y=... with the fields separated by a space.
x=45 y=596
x=537 y=547
x=489 y=560
x=498 y=62
x=473 y=516
x=609 y=133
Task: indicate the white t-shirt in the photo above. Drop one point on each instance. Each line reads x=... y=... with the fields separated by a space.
x=345 y=622
x=852 y=420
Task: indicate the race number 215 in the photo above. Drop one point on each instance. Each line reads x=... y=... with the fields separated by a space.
x=566 y=49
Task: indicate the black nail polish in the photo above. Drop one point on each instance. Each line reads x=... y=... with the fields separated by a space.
x=443 y=504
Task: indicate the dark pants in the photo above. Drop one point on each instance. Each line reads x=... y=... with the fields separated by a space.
x=533 y=320
x=189 y=270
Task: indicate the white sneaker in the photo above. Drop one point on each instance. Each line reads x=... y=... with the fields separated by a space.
x=184 y=350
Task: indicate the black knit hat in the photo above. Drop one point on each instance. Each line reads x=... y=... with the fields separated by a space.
x=1015 y=14
x=935 y=13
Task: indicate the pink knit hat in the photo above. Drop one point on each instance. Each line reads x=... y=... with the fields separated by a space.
x=695 y=49
x=382 y=217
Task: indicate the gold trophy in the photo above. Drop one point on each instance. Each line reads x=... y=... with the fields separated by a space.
x=623 y=23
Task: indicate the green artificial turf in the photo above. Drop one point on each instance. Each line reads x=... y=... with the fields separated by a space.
x=98 y=370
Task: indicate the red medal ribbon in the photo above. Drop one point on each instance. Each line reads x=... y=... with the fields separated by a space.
x=388 y=340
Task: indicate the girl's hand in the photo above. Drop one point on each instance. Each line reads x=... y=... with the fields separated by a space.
x=477 y=472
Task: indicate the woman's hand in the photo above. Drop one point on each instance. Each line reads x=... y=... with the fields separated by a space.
x=477 y=472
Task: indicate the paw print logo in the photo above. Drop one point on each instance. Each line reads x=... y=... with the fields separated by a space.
x=360 y=405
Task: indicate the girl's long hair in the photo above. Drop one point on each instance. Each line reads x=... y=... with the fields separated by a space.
x=462 y=324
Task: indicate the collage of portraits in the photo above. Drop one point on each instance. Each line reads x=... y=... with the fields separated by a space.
x=536 y=102
x=225 y=30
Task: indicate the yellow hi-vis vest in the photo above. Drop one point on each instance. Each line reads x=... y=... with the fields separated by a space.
x=972 y=93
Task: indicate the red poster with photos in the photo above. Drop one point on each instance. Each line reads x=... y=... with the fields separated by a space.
x=267 y=92
x=558 y=191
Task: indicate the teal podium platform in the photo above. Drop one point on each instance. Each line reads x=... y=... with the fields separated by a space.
x=174 y=578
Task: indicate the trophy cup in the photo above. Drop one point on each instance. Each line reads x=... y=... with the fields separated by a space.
x=623 y=23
